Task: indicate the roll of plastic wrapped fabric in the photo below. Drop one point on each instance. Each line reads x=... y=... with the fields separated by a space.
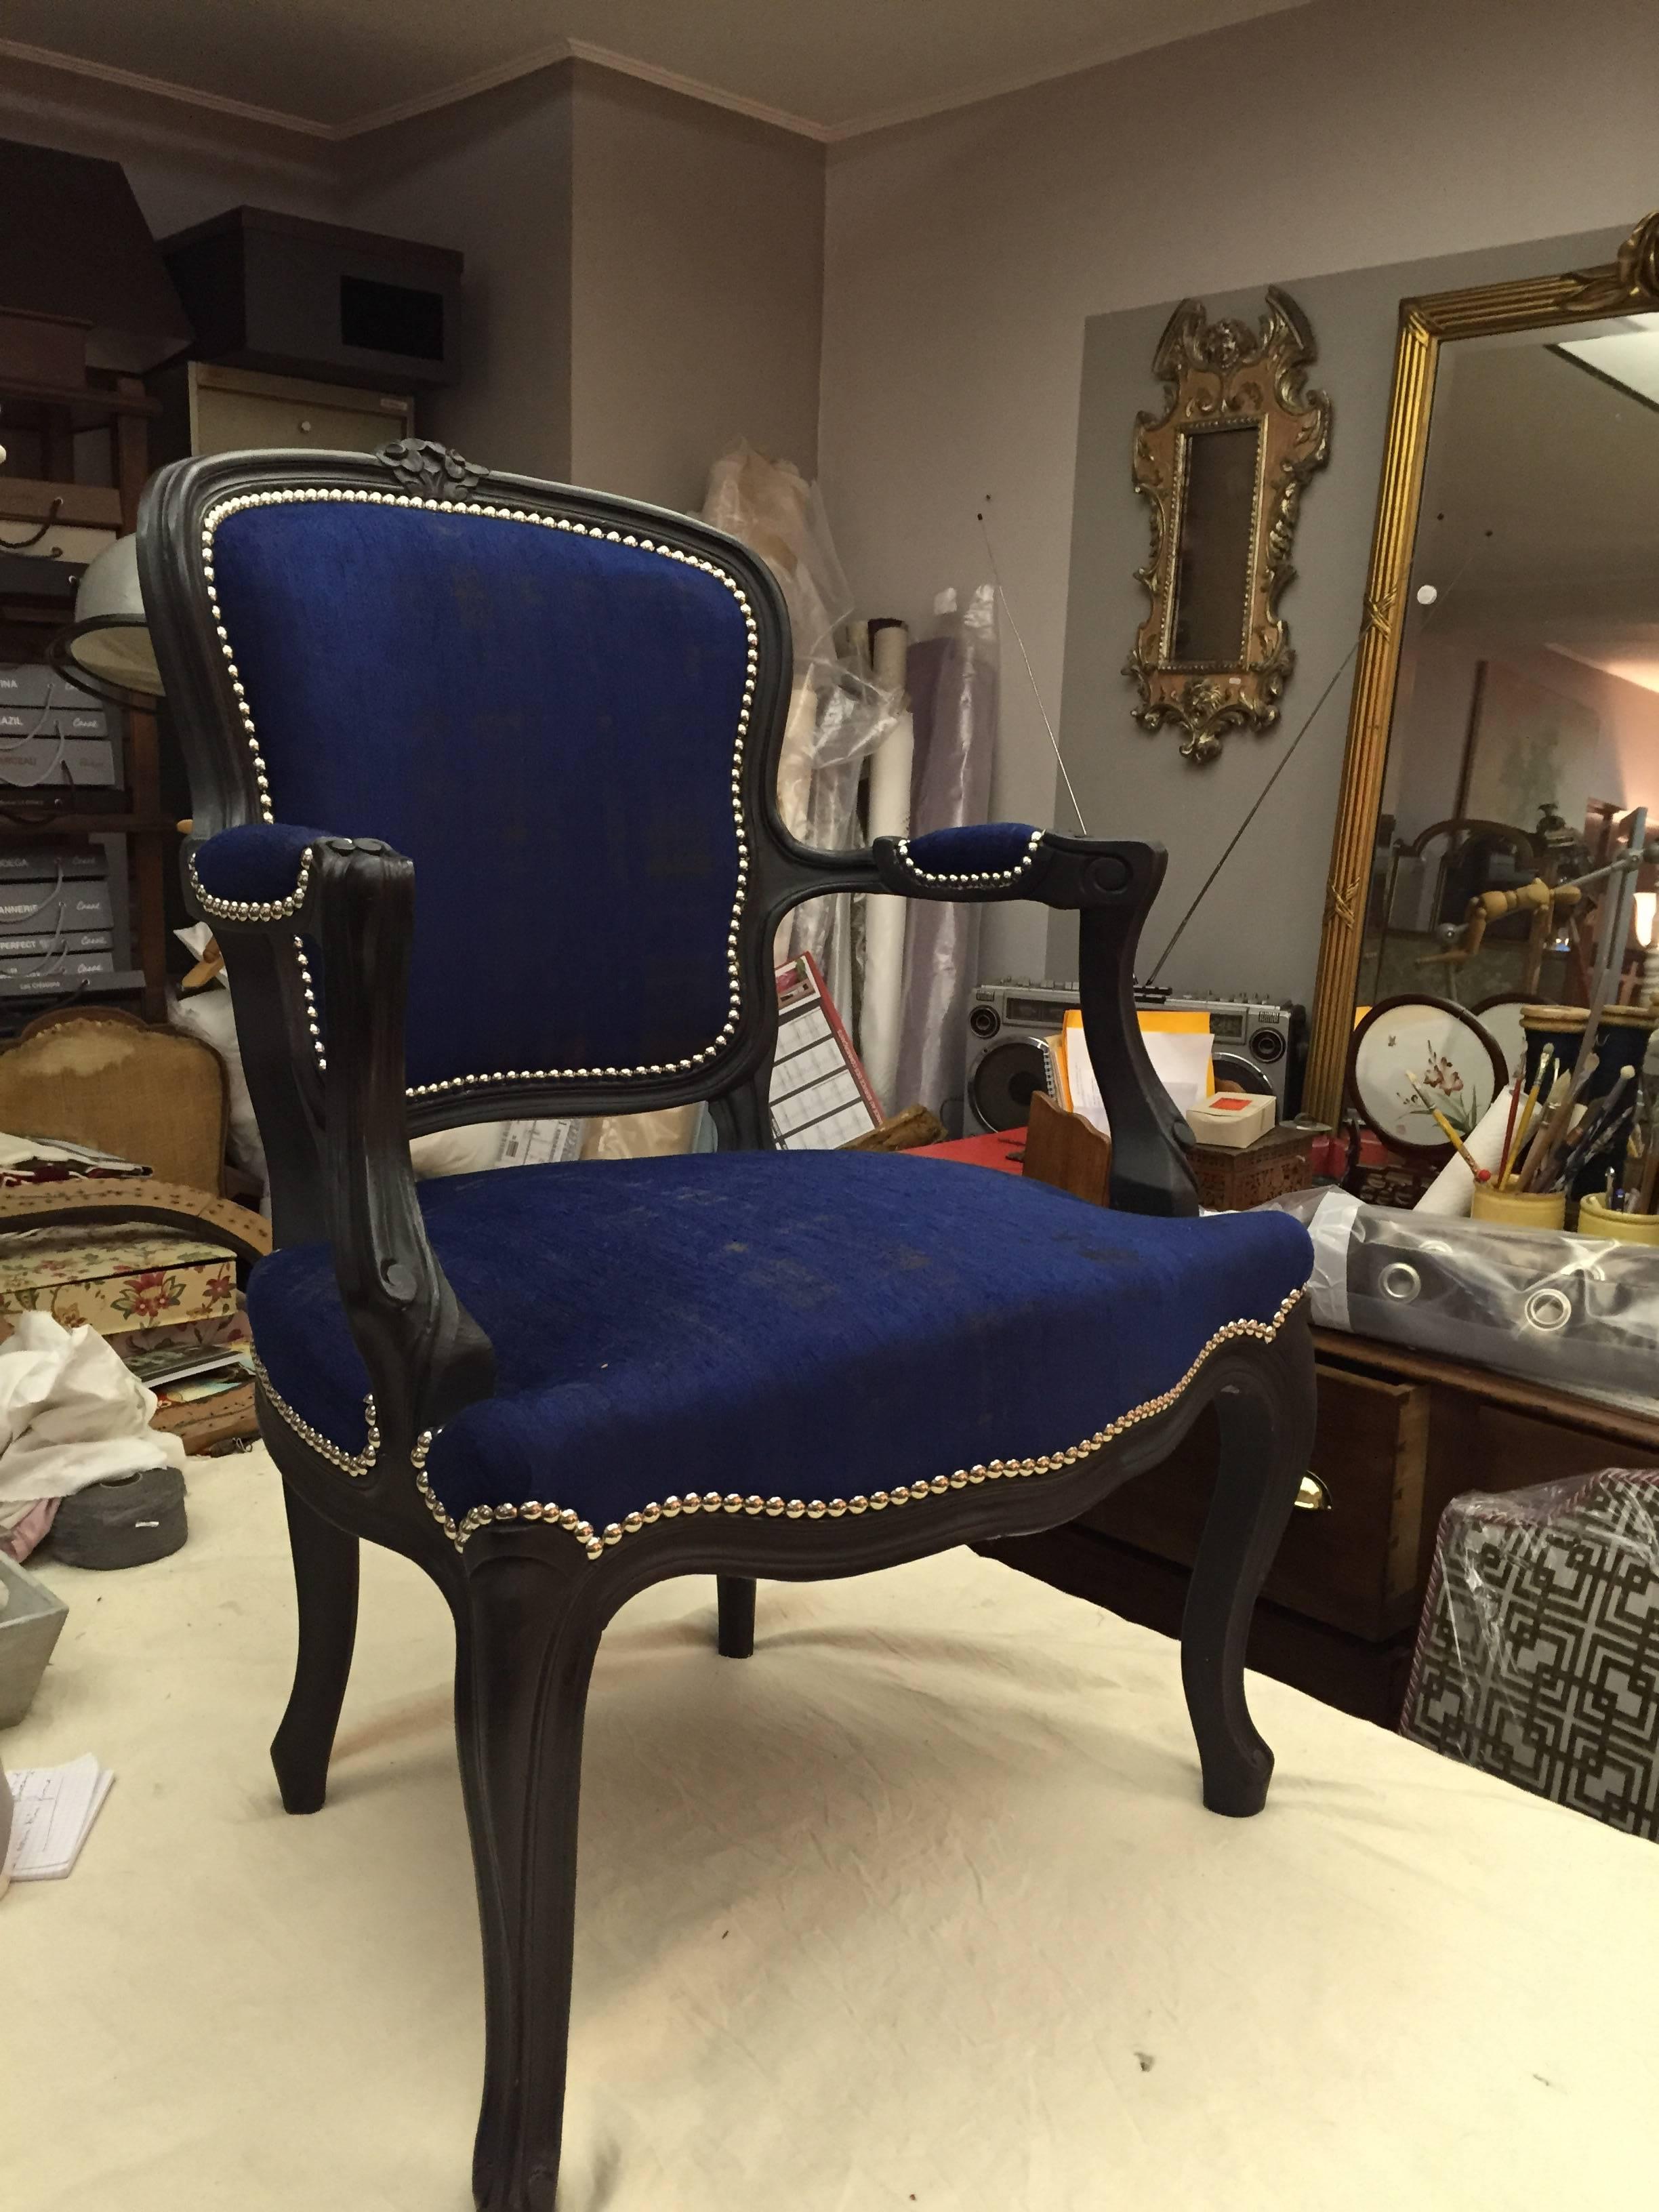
x=884 y=918
x=1450 y=1192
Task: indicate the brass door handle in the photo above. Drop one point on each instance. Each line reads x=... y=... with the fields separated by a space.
x=1311 y=1495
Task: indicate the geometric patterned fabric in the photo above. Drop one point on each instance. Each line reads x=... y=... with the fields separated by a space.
x=1538 y=1660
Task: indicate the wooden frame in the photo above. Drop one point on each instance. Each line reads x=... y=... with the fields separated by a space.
x=529 y=1604
x=1629 y=285
x=1220 y=378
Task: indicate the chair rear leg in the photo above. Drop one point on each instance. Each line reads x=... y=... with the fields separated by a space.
x=736 y=1615
x=524 y=1659
x=1267 y=1433
x=325 y=1585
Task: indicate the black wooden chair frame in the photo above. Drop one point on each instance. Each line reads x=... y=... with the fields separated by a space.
x=529 y=1604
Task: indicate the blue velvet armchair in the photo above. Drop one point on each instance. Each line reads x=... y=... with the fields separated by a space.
x=483 y=772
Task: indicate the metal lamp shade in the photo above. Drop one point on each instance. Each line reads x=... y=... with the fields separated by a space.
x=107 y=647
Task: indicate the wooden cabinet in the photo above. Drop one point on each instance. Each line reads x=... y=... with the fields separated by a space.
x=1350 y=1556
x=1400 y=1434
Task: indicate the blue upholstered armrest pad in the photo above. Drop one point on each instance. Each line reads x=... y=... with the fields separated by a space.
x=979 y=853
x=257 y=862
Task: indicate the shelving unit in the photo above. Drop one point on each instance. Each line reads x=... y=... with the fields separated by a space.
x=52 y=417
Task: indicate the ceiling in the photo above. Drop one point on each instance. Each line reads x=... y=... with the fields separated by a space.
x=334 y=68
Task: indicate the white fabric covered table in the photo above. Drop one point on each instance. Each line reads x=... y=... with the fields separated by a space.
x=917 y=1907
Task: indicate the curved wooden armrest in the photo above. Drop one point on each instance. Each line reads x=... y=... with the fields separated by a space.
x=110 y=1200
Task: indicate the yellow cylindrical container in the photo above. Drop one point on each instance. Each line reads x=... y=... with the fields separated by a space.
x=1596 y=1218
x=1519 y=1209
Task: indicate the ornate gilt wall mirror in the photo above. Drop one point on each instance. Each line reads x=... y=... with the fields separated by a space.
x=1221 y=470
x=1504 y=726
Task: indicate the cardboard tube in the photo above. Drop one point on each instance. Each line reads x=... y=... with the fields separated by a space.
x=884 y=917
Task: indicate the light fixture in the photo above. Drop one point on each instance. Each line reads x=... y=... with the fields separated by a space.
x=1646 y=904
x=107 y=649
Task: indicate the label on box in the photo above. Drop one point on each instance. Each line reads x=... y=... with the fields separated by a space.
x=42 y=909
x=65 y=694
x=49 y=864
x=40 y=948
x=26 y=722
x=90 y=760
x=56 y=985
x=71 y=966
x=25 y=686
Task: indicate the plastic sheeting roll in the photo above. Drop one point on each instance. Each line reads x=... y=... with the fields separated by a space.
x=884 y=918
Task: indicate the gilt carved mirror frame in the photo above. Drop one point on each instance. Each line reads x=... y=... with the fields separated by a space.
x=1629 y=285
x=1213 y=653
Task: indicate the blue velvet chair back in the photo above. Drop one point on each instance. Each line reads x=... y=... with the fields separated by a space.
x=554 y=711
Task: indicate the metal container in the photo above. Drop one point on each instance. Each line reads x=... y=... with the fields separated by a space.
x=30 y=1620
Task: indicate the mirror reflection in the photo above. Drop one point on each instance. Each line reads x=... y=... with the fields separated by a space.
x=1525 y=744
x=1209 y=625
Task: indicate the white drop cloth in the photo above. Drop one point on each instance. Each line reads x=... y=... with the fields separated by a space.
x=918 y=1907
x=71 y=1413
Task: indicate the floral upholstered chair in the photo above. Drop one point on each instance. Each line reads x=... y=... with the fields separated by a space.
x=429 y=709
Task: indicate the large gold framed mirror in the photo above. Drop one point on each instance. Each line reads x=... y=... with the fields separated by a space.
x=1503 y=734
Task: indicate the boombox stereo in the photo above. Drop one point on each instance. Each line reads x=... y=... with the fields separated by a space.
x=1259 y=1046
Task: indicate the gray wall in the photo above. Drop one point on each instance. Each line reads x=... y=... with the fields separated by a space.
x=697 y=290
x=964 y=255
x=644 y=271
x=491 y=176
x=1258 y=928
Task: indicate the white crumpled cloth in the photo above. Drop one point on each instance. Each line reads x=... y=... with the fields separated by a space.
x=71 y=1413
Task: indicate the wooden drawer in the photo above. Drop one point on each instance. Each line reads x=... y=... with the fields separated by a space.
x=1353 y=1564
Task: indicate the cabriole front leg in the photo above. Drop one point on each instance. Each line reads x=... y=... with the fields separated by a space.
x=1265 y=1411
x=525 y=1653
x=325 y=1587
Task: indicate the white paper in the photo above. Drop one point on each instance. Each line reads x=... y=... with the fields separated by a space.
x=53 y=1807
x=1450 y=1192
x=1181 y=1058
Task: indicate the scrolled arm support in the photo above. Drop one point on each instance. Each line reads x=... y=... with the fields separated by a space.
x=1111 y=883
x=426 y=1356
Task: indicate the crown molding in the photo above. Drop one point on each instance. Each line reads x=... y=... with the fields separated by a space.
x=157 y=88
x=405 y=110
x=560 y=50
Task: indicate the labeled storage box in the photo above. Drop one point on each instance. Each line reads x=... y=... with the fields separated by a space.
x=47 y=910
x=114 y=1282
x=52 y=733
x=51 y=864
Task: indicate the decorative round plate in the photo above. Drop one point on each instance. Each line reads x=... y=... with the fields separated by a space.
x=1410 y=1044
x=1500 y=1018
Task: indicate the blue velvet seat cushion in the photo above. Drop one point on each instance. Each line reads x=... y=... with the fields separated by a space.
x=808 y=1325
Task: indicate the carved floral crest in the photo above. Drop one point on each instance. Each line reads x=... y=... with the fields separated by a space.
x=1225 y=376
x=432 y=470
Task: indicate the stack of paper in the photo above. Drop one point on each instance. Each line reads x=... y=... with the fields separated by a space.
x=52 y=1810
x=1179 y=1046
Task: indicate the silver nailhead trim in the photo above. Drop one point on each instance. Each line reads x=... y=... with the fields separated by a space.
x=987 y=876
x=596 y=1543
x=211 y=523
x=355 y=1463
x=252 y=910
